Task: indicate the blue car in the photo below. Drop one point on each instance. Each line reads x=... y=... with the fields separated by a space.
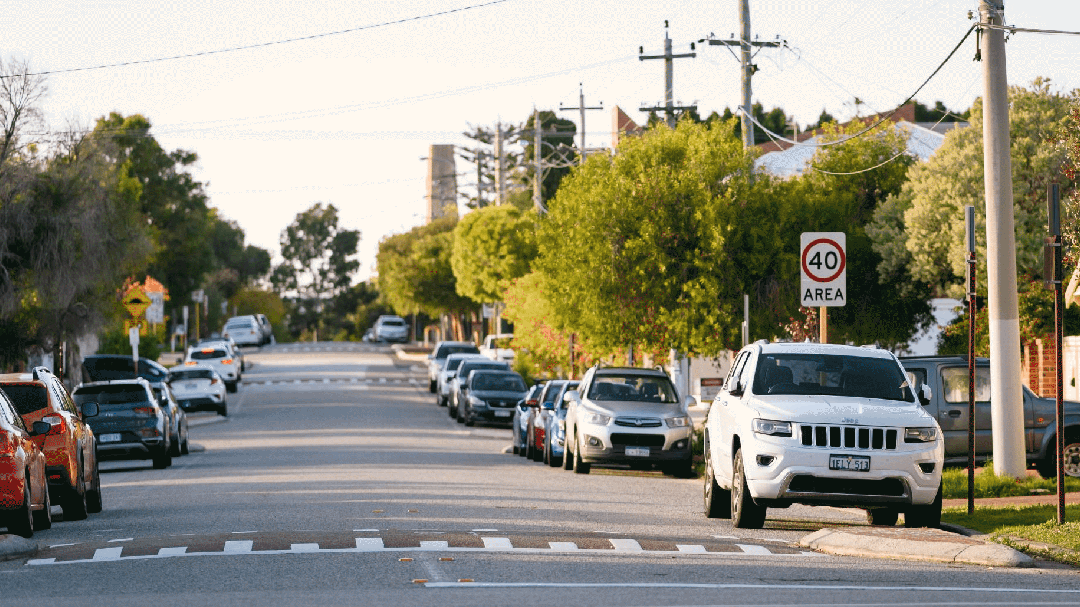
x=555 y=432
x=522 y=412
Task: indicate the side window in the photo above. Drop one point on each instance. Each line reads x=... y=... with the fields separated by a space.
x=7 y=411
x=736 y=368
x=745 y=371
x=954 y=382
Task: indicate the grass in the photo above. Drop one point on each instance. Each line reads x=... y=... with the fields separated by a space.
x=954 y=484
x=1030 y=529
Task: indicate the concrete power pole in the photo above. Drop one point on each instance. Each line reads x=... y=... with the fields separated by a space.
x=500 y=166
x=1006 y=399
x=582 y=107
x=669 y=106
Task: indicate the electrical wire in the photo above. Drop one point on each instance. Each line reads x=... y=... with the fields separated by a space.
x=261 y=44
x=1014 y=29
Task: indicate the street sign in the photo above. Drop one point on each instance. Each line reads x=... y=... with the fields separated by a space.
x=136 y=302
x=823 y=269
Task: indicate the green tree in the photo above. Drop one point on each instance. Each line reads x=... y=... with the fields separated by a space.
x=492 y=247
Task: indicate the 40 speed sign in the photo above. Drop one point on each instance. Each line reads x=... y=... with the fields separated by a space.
x=823 y=269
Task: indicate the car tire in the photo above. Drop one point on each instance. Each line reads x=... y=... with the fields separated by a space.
x=549 y=458
x=93 y=493
x=580 y=467
x=469 y=420
x=745 y=514
x=567 y=458
x=882 y=517
x=43 y=517
x=74 y=503
x=230 y=386
x=717 y=499
x=223 y=410
x=431 y=386
x=515 y=448
x=459 y=414
x=174 y=446
x=162 y=460
x=184 y=449
x=451 y=409
x=21 y=520
x=924 y=516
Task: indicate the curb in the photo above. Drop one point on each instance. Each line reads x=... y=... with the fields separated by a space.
x=914 y=544
x=14 y=546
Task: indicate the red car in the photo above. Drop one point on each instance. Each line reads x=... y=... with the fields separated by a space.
x=24 y=493
x=534 y=442
x=70 y=448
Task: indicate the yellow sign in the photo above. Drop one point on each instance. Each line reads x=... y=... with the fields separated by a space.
x=136 y=302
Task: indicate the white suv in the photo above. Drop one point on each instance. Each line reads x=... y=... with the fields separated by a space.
x=391 y=328
x=822 y=425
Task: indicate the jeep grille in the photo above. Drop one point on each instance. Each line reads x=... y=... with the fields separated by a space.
x=849 y=437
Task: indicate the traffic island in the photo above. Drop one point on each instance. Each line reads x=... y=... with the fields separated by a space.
x=14 y=547
x=914 y=544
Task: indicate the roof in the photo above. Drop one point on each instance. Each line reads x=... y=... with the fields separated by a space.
x=815 y=348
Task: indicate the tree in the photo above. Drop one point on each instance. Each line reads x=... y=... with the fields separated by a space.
x=492 y=247
x=20 y=93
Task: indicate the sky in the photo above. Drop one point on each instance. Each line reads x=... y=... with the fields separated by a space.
x=338 y=101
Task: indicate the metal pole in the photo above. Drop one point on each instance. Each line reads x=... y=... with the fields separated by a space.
x=1054 y=223
x=669 y=82
x=538 y=181
x=747 y=73
x=969 y=222
x=746 y=319
x=1006 y=398
x=823 y=325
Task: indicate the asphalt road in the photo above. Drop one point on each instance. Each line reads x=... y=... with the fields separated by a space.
x=336 y=480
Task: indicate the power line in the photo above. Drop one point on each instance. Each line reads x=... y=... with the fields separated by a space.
x=262 y=44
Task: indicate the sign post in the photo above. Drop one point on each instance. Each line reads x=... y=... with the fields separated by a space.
x=823 y=273
x=969 y=222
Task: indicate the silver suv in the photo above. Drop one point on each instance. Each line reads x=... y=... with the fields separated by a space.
x=628 y=416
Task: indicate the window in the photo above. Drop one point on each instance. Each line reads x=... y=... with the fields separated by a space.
x=632 y=387
x=955 y=382
x=830 y=374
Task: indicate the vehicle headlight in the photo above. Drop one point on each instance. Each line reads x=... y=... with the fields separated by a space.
x=771 y=427
x=597 y=419
x=920 y=435
x=476 y=402
x=681 y=421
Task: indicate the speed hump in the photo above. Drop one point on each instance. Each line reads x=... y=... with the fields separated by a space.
x=823 y=269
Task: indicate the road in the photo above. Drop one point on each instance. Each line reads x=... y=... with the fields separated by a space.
x=336 y=480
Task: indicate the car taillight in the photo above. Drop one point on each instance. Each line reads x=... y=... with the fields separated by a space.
x=191 y=363
x=227 y=361
x=59 y=426
x=144 y=411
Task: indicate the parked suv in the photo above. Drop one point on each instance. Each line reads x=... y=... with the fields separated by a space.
x=438 y=355
x=391 y=328
x=631 y=417
x=69 y=446
x=129 y=424
x=821 y=424
x=947 y=377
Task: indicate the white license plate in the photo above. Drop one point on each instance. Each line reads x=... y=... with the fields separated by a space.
x=503 y=413
x=637 y=451
x=109 y=438
x=855 y=463
x=191 y=386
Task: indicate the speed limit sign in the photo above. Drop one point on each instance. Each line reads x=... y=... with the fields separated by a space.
x=823 y=269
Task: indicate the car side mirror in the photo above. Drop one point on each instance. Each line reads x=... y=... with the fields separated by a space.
x=548 y=406
x=90 y=409
x=689 y=401
x=39 y=428
x=925 y=394
x=571 y=396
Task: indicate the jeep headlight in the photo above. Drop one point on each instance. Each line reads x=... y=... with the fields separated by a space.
x=681 y=421
x=772 y=428
x=920 y=435
x=597 y=419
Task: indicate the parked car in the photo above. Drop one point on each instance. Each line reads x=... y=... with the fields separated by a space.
x=536 y=425
x=130 y=423
x=459 y=382
x=244 y=330
x=947 y=377
x=448 y=372
x=105 y=367
x=221 y=356
x=69 y=446
x=391 y=328
x=821 y=424
x=266 y=328
x=555 y=431
x=497 y=347
x=631 y=417
x=178 y=422
x=492 y=396
x=521 y=417
x=438 y=357
x=24 y=490
x=237 y=351
x=199 y=388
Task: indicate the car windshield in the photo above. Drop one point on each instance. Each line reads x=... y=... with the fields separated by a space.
x=394 y=323
x=453 y=363
x=445 y=351
x=27 y=398
x=831 y=374
x=234 y=326
x=498 y=382
x=632 y=387
x=191 y=374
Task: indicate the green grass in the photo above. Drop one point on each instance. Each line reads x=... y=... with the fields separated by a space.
x=987 y=484
x=1018 y=526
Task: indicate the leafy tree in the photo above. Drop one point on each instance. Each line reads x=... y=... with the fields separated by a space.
x=492 y=247
x=924 y=113
x=482 y=155
x=557 y=136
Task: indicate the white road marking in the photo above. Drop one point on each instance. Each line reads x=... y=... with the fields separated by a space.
x=691 y=548
x=497 y=543
x=625 y=545
x=304 y=547
x=122 y=539
x=563 y=546
x=108 y=554
x=755 y=550
x=800 y=587
x=369 y=543
x=235 y=546
x=434 y=545
x=176 y=551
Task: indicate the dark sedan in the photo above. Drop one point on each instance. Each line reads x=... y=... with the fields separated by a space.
x=492 y=396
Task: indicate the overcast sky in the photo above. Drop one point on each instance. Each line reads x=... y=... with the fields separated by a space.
x=345 y=118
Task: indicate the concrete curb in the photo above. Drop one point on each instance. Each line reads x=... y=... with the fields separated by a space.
x=914 y=544
x=14 y=546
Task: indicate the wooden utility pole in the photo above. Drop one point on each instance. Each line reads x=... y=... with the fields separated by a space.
x=582 y=107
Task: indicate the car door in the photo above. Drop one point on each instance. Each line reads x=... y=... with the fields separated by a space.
x=953 y=409
x=723 y=418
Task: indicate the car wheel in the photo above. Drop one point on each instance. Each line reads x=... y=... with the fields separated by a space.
x=184 y=450
x=74 y=504
x=459 y=414
x=924 y=516
x=174 y=446
x=223 y=410
x=469 y=419
x=22 y=520
x=93 y=493
x=567 y=458
x=745 y=514
x=580 y=467
x=431 y=386
x=538 y=451
x=230 y=386
x=1072 y=455
x=717 y=499
x=549 y=458
x=162 y=460
x=884 y=517
x=523 y=450
x=451 y=409
x=43 y=517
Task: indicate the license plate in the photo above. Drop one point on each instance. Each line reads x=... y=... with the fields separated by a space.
x=109 y=438
x=503 y=413
x=191 y=386
x=637 y=451
x=855 y=463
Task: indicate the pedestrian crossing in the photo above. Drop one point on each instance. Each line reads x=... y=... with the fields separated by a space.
x=397 y=541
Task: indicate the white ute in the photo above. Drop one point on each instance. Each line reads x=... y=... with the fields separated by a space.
x=821 y=425
x=497 y=347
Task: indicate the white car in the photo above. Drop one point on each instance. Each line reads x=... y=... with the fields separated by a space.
x=821 y=424
x=497 y=347
x=198 y=388
x=219 y=355
x=447 y=374
x=244 y=330
x=391 y=328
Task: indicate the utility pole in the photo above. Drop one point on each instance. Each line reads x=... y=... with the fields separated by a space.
x=669 y=106
x=582 y=107
x=500 y=166
x=561 y=157
x=747 y=68
x=1006 y=398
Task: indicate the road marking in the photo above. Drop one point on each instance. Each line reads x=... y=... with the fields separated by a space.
x=108 y=554
x=177 y=551
x=304 y=547
x=563 y=546
x=434 y=545
x=624 y=545
x=691 y=548
x=122 y=539
x=497 y=543
x=235 y=546
x=369 y=544
x=755 y=550
x=800 y=587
